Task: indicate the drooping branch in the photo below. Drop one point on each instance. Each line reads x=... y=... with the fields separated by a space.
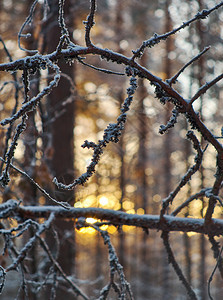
x=116 y=270
x=177 y=269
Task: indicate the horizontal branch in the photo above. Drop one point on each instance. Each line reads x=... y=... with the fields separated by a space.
x=36 y=61
x=168 y=223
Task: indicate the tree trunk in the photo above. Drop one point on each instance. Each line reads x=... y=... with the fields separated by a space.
x=61 y=162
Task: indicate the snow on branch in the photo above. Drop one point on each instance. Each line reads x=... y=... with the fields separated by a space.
x=117 y=218
x=28 y=216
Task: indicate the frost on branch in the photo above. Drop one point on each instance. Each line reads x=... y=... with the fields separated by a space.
x=111 y=134
x=37 y=221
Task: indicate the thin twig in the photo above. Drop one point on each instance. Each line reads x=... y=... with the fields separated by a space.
x=99 y=69
x=115 y=267
x=62 y=204
x=23 y=252
x=27 y=22
x=173 y=79
x=111 y=134
x=157 y=38
x=198 y=160
x=58 y=267
x=212 y=274
x=177 y=269
x=190 y=199
x=205 y=87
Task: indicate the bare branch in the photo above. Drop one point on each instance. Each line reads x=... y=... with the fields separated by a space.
x=202 y=90
x=28 y=21
x=217 y=254
x=90 y=23
x=173 y=79
x=111 y=134
x=190 y=199
x=219 y=261
x=115 y=267
x=22 y=254
x=47 y=195
x=74 y=287
x=173 y=262
x=157 y=38
x=187 y=176
x=171 y=122
x=215 y=191
x=31 y=104
x=98 y=69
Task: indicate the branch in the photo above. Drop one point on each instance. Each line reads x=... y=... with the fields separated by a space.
x=90 y=23
x=47 y=195
x=219 y=260
x=73 y=52
x=157 y=38
x=205 y=87
x=215 y=190
x=116 y=218
x=22 y=254
x=98 y=69
x=217 y=254
x=111 y=134
x=28 y=21
x=173 y=262
x=185 y=179
x=115 y=266
x=58 y=267
x=174 y=78
x=190 y=199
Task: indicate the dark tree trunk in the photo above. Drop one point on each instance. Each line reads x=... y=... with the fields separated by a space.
x=61 y=162
x=167 y=144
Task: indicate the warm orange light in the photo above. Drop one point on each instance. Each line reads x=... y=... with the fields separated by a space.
x=103 y=201
x=140 y=211
x=131 y=211
x=112 y=229
x=91 y=220
x=128 y=205
x=87 y=230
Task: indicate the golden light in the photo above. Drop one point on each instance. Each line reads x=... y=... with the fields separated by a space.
x=90 y=87
x=104 y=227
x=103 y=201
x=131 y=211
x=78 y=204
x=191 y=233
x=109 y=201
x=217 y=212
x=88 y=230
x=112 y=229
x=156 y=198
x=91 y=220
x=127 y=205
x=126 y=228
x=140 y=211
x=89 y=201
x=130 y=188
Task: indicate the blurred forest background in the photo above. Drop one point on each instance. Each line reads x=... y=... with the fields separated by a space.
x=133 y=175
